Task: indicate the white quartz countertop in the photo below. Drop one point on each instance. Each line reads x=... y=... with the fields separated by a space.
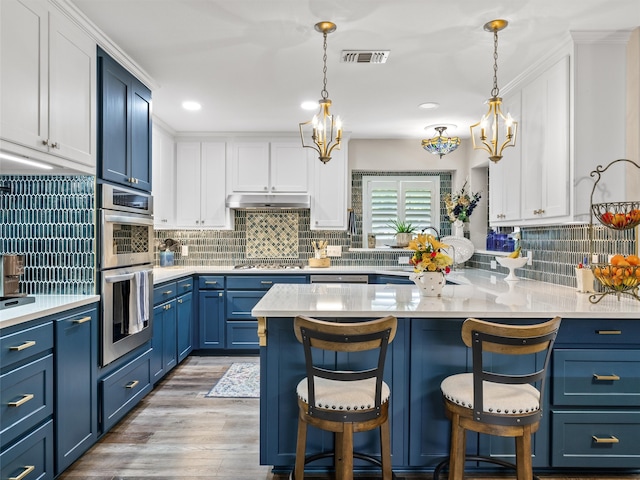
x=43 y=306
x=477 y=293
x=165 y=274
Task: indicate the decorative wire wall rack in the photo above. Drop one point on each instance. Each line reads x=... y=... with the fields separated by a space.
x=620 y=275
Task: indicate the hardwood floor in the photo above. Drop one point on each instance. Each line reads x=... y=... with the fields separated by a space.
x=176 y=433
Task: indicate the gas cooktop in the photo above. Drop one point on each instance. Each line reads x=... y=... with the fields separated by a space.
x=269 y=266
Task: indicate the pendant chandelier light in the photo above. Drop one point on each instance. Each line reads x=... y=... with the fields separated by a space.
x=495 y=131
x=441 y=145
x=326 y=132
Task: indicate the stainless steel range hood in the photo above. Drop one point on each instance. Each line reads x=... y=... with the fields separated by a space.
x=269 y=201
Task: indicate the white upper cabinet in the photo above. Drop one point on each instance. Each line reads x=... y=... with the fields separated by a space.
x=329 y=195
x=164 y=179
x=48 y=77
x=289 y=168
x=268 y=167
x=504 y=176
x=545 y=133
x=200 y=185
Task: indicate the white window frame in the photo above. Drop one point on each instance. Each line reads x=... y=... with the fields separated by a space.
x=402 y=183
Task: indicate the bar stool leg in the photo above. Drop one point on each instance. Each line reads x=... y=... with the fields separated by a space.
x=458 y=449
x=385 y=450
x=344 y=453
x=524 y=466
x=300 y=449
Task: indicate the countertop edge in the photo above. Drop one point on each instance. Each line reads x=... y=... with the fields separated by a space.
x=44 y=306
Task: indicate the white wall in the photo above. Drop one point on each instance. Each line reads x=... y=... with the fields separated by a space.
x=397 y=155
x=633 y=112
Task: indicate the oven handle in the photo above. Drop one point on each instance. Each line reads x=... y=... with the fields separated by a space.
x=118 y=278
x=129 y=220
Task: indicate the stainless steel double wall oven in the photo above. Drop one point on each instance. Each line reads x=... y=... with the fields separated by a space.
x=125 y=270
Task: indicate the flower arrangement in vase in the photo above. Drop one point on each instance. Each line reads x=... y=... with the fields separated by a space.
x=460 y=205
x=429 y=264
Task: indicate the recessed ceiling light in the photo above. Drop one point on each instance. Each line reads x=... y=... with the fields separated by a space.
x=191 y=106
x=429 y=105
x=309 y=105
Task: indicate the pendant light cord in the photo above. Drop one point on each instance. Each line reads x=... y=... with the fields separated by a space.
x=324 y=92
x=495 y=91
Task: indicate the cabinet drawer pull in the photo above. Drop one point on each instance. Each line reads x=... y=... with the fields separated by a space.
x=132 y=384
x=27 y=469
x=604 y=378
x=167 y=307
x=188 y=285
x=81 y=320
x=610 y=439
x=24 y=346
x=180 y=300
x=609 y=332
x=168 y=292
x=210 y=282
x=25 y=398
x=266 y=282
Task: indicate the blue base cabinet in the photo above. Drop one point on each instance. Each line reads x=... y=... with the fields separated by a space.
x=76 y=413
x=211 y=312
x=595 y=406
x=185 y=318
x=123 y=388
x=437 y=351
x=164 y=354
x=31 y=457
x=243 y=293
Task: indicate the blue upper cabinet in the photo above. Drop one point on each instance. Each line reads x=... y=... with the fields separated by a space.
x=124 y=126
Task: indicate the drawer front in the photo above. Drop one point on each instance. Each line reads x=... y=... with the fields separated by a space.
x=240 y=303
x=597 y=439
x=185 y=286
x=596 y=377
x=26 y=397
x=598 y=332
x=242 y=335
x=25 y=343
x=31 y=457
x=125 y=388
x=164 y=292
x=261 y=282
x=211 y=282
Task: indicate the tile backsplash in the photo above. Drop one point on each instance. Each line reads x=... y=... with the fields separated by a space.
x=51 y=221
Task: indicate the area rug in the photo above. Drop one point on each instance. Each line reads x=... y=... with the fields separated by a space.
x=242 y=380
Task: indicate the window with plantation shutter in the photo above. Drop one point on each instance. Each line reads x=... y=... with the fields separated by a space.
x=414 y=200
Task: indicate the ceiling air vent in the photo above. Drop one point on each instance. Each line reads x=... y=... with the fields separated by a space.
x=365 y=56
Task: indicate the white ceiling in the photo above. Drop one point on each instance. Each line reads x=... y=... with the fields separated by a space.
x=251 y=63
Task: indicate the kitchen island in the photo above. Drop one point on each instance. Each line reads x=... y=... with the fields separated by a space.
x=594 y=339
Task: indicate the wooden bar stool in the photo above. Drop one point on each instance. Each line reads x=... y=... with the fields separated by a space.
x=502 y=404
x=344 y=401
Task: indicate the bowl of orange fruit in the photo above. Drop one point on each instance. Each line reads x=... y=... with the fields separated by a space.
x=617 y=215
x=621 y=273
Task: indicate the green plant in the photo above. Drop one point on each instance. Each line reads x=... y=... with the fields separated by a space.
x=400 y=226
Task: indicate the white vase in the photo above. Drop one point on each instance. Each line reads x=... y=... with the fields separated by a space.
x=429 y=283
x=458 y=228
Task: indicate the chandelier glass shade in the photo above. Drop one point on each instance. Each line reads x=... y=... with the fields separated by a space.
x=440 y=145
x=495 y=131
x=324 y=130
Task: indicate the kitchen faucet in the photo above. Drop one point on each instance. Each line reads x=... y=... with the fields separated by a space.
x=432 y=228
